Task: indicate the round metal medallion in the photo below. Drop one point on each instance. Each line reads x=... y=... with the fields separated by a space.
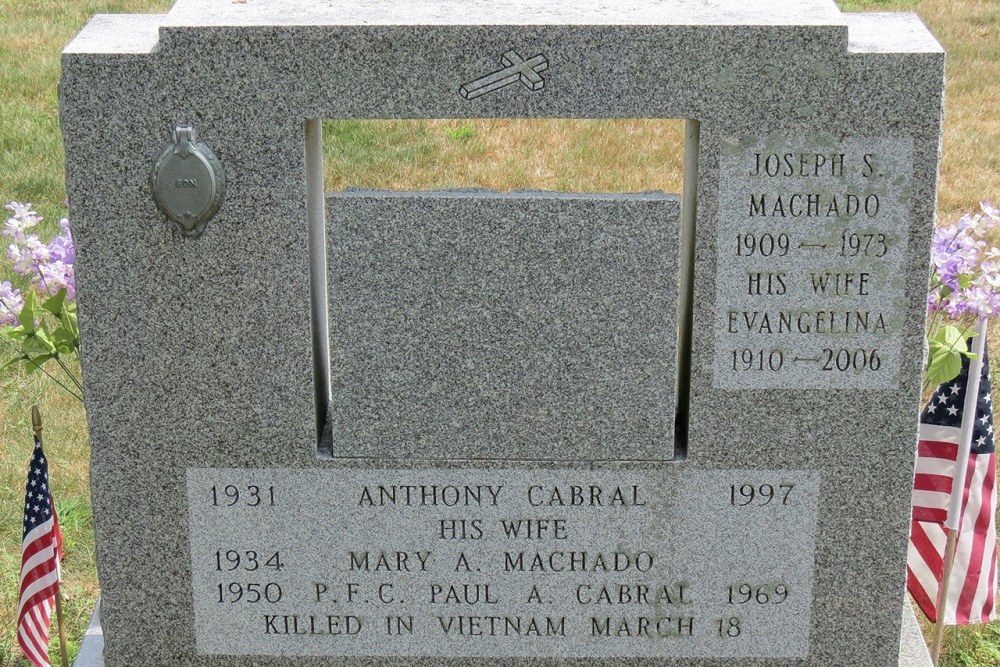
x=188 y=182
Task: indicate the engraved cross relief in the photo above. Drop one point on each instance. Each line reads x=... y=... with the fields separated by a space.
x=515 y=69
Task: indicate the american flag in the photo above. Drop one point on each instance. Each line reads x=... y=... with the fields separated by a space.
x=973 y=579
x=41 y=550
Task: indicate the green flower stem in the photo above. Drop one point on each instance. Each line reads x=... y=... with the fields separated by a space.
x=69 y=374
x=51 y=377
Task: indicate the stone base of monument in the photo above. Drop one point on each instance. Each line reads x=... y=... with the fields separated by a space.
x=912 y=648
x=92 y=647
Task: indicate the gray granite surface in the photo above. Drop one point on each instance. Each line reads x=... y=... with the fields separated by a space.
x=91 y=653
x=486 y=12
x=821 y=233
x=517 y=326
x=197 y=352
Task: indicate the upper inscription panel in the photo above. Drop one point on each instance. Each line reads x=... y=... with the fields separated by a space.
x=521 y=326
x=812 y=239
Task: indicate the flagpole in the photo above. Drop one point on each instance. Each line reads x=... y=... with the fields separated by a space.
x=954 y=519
x=36 y=425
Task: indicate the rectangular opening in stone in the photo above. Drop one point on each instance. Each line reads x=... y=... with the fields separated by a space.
x=490 y=317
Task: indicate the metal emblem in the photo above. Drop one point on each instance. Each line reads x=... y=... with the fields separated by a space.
x=188 y=182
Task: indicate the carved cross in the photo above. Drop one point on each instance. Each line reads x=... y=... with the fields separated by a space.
x=515 y=68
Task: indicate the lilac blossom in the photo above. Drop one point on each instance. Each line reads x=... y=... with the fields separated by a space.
x=48 y=266
x=11 y=303
x=967 y=273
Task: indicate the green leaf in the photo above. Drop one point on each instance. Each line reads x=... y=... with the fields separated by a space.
x=68 y=319
x=27 y=315
x=951 y=337
x=54 y=304
x=65 y=341
x=13 y=333
x=15 y=361
x=964 y=281
x=945 y=365
x=40 y=342
x=947 y=347
x=35 y=363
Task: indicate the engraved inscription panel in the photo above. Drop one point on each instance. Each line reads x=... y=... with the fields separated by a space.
x=811 y=244
x=473 y=563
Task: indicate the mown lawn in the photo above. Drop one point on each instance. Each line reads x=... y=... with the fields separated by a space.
x=561 y=155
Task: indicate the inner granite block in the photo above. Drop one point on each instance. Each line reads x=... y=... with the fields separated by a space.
x=474 y=324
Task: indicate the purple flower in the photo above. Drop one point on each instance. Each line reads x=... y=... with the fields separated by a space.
x=24 y=217
x=49 y=266
x=967 y=272
x=55 y=276
x=11 y=303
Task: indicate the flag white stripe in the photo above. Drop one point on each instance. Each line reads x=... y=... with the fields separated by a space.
x=990 y=556
x=963 y=549
x=927 y=465
x=37 y=641
x=930 y=499
x=986 y=560
x=965 y=546
x=940 y=433
x=37 y=618
x=29 y=646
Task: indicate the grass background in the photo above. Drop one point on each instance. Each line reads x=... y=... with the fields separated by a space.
x=560 y=155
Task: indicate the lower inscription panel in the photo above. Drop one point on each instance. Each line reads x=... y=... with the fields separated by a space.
x=476 y=562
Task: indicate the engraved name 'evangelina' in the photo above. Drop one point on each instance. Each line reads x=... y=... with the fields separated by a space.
x=807 y=322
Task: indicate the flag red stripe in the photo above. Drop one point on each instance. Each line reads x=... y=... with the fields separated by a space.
x=935 y=449
x=36 y=544
x=33 y=636
x=990 y=606
x=928 y=553
x=930 y=514
x=932 y=482
x=920 y=596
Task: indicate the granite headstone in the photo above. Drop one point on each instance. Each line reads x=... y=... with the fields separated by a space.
x=502 y=429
